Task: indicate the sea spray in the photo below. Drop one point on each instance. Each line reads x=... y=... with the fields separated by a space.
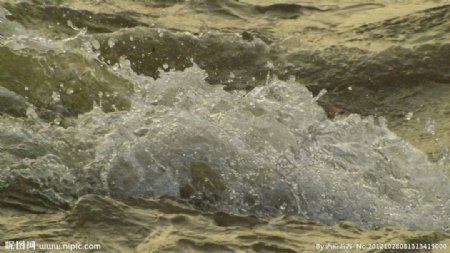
x=268 y=152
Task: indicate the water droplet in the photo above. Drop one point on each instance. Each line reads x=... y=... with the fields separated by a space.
x=321 y=93
x=430 y=127
x=70 y=24
x=111 y=43
x=124 y=62
x=31 y=113
x=56 y=97
x=95 y=44
x=409 y=116
x=270 y=65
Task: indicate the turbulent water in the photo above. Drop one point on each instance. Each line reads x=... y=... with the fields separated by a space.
x=98 y=108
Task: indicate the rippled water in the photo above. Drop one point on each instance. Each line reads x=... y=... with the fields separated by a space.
x=78 y=118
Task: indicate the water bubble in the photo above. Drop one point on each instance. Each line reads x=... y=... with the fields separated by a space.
x=57 y=121
x=131 y=38
x=124 y=62
x=430 y=126
x=56 y=97
x=165 y=66
x=70 y=24
x=349 y=88
x=31 y=113
x=111 y=43
x=69 y=91
x=409 y=116
x=95 y=44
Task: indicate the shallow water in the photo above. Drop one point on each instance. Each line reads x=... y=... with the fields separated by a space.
x=213 y=125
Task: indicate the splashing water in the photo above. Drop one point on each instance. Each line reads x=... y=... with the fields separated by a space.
x=268 y=152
